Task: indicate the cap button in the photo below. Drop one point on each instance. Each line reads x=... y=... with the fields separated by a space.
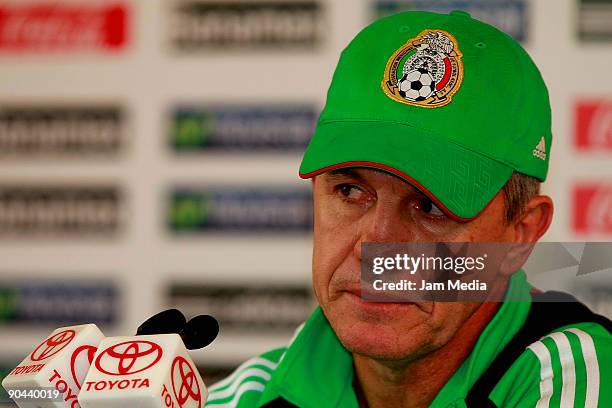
x=460 y=13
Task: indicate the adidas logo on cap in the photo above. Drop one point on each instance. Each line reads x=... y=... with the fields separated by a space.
x=540 y=150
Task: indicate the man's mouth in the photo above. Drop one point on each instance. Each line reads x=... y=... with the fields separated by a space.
x=374 y=296
x=367 y=297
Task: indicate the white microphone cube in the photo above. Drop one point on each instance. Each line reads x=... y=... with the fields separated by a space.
x=59 y=363
x=143 y=371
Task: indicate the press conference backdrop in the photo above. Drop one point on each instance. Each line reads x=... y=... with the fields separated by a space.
x=149 y=153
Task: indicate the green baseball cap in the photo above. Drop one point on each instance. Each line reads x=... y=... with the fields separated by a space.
x=450 y=104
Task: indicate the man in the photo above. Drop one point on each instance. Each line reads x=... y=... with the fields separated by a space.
x=436 y=129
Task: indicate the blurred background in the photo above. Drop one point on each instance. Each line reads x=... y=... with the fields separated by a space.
x=149 y=152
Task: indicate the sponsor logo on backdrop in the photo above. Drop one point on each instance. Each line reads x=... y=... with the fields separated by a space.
x=230 y=209
x=593 y=208
x=52 y=345
x=58 y=303
x=594 y=17
x=185 y=384
x=593 y=124
x=38 y=130
x=510 y=16
x=129 y=357
x=197 y=24
x=51 y=26
x=246 y=308
x=242 y=128
x=62 y=210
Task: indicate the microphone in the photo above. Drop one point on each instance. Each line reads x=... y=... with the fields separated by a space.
x=110 y=372
x=168 y=321
x=196 y=333
x=143 y=371
x=153 y=368
x=199 y=332
x=54 y=372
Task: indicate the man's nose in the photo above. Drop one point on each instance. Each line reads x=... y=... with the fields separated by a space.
x=386 y=222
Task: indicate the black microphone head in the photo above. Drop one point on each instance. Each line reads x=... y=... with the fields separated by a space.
x=200 y=332
x=168 y=321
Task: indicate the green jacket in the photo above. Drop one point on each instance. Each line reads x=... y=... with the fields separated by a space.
x=571 y=367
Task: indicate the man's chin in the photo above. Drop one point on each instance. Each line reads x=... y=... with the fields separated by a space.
x=381 y=342
x=386 y=331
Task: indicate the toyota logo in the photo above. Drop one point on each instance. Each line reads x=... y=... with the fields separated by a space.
x=85 y=355
x=52 y=345
x=185 y=384
x=129 y=357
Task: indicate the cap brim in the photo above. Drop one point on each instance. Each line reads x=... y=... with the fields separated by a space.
x=459 y=181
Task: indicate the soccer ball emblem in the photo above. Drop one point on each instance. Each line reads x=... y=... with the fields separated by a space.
x=416 y=85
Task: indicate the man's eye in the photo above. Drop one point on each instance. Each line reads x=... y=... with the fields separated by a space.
x=428 y=207
x=350 y=191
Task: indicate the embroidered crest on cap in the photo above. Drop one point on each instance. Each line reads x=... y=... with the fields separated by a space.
x=426 y=71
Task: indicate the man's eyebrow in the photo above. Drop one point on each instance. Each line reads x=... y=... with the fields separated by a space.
x=338 y=174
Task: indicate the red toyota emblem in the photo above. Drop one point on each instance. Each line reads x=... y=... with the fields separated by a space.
x=85 y=354
x=129 y=357
x=52 y=345
x=185 y=384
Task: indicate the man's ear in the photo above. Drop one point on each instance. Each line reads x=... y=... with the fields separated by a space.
x=528 y=229
x=534 y=220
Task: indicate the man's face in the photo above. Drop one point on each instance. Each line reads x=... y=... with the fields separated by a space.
x=362 y=205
